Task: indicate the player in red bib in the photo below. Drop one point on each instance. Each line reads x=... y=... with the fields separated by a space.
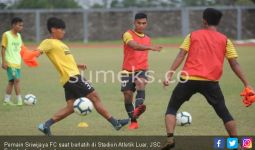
x=135 y=66
x=206 y=50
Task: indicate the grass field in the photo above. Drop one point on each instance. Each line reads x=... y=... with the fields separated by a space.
x=43 y=82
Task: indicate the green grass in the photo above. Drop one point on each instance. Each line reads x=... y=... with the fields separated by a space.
x=43 y=82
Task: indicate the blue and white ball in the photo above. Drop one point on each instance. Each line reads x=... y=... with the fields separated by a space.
x=30 y=99
x=83 y=106
x=183 y=118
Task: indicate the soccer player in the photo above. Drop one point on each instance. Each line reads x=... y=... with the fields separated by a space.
x=134 y=76
x=205 y=49
x=74 y=85
x=11 y=60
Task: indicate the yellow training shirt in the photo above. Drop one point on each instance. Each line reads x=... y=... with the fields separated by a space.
x=12 y=52
x=59 y=54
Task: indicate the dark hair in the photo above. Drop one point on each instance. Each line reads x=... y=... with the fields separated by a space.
x=54 y=22
x=140 y=16
x=212 y=16
x=16 y=20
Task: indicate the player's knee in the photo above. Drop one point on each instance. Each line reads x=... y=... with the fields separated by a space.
x=11 y=82
x=174 y=104
x=226 y=117
x=140 y=84
x=69 y=103
x=70 y=109
x=16 y=81
x=171 y=111
x=223 y=113
x=128 y=96
x=93 y=96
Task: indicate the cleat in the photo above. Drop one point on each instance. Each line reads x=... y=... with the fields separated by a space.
x=44 y=130
x=9 y=103
x=121 y=123
x=133 y=125
x=168 y=146
x=139 y=110
x=20 y=103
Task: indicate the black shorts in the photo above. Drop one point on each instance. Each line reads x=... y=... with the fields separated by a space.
x=183 y=92
x=209 y=89
x=128 y=80
x=77 y=87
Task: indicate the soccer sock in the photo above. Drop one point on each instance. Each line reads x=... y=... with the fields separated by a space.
x=130 y=109
x=170 y=138
x=113 y=121
x=19 y=98
x=140 y=97
x=49 y=123
x=7 y=98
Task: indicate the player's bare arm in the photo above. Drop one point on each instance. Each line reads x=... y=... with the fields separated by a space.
x=133 y=44
x=4 y=64
x=237 y=70
x=177 y=62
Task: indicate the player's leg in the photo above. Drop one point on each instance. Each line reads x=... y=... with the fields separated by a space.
x=61 y=114
x=117 y=124
x=17 y=91
x=128 y=88
x=70 y=91
x=84 y=88
x=64 y=112
x=17 y=87
x=181 y=93
x=231 y=128
x=140 y=83
x=93 y=96
x=128 y=100
x=215 y=98
x=9 y=87
x=128 y=97
x=140 y=108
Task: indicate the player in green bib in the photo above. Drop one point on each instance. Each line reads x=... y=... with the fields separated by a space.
x=11 y=60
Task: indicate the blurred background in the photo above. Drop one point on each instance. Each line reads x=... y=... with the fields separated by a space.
x=106 y=20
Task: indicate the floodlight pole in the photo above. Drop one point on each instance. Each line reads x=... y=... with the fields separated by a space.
x=185 y=21
x=85 y=27
x=239 y=23
x=37 y=26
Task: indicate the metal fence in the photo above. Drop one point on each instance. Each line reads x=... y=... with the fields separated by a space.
x=110 y=24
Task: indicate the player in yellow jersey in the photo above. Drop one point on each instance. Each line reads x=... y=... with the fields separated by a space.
x=11 y=60
x=74 y=85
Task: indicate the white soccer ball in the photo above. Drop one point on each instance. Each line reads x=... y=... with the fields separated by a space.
x=83 y=106
x=183 y=118
x=30 y=99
